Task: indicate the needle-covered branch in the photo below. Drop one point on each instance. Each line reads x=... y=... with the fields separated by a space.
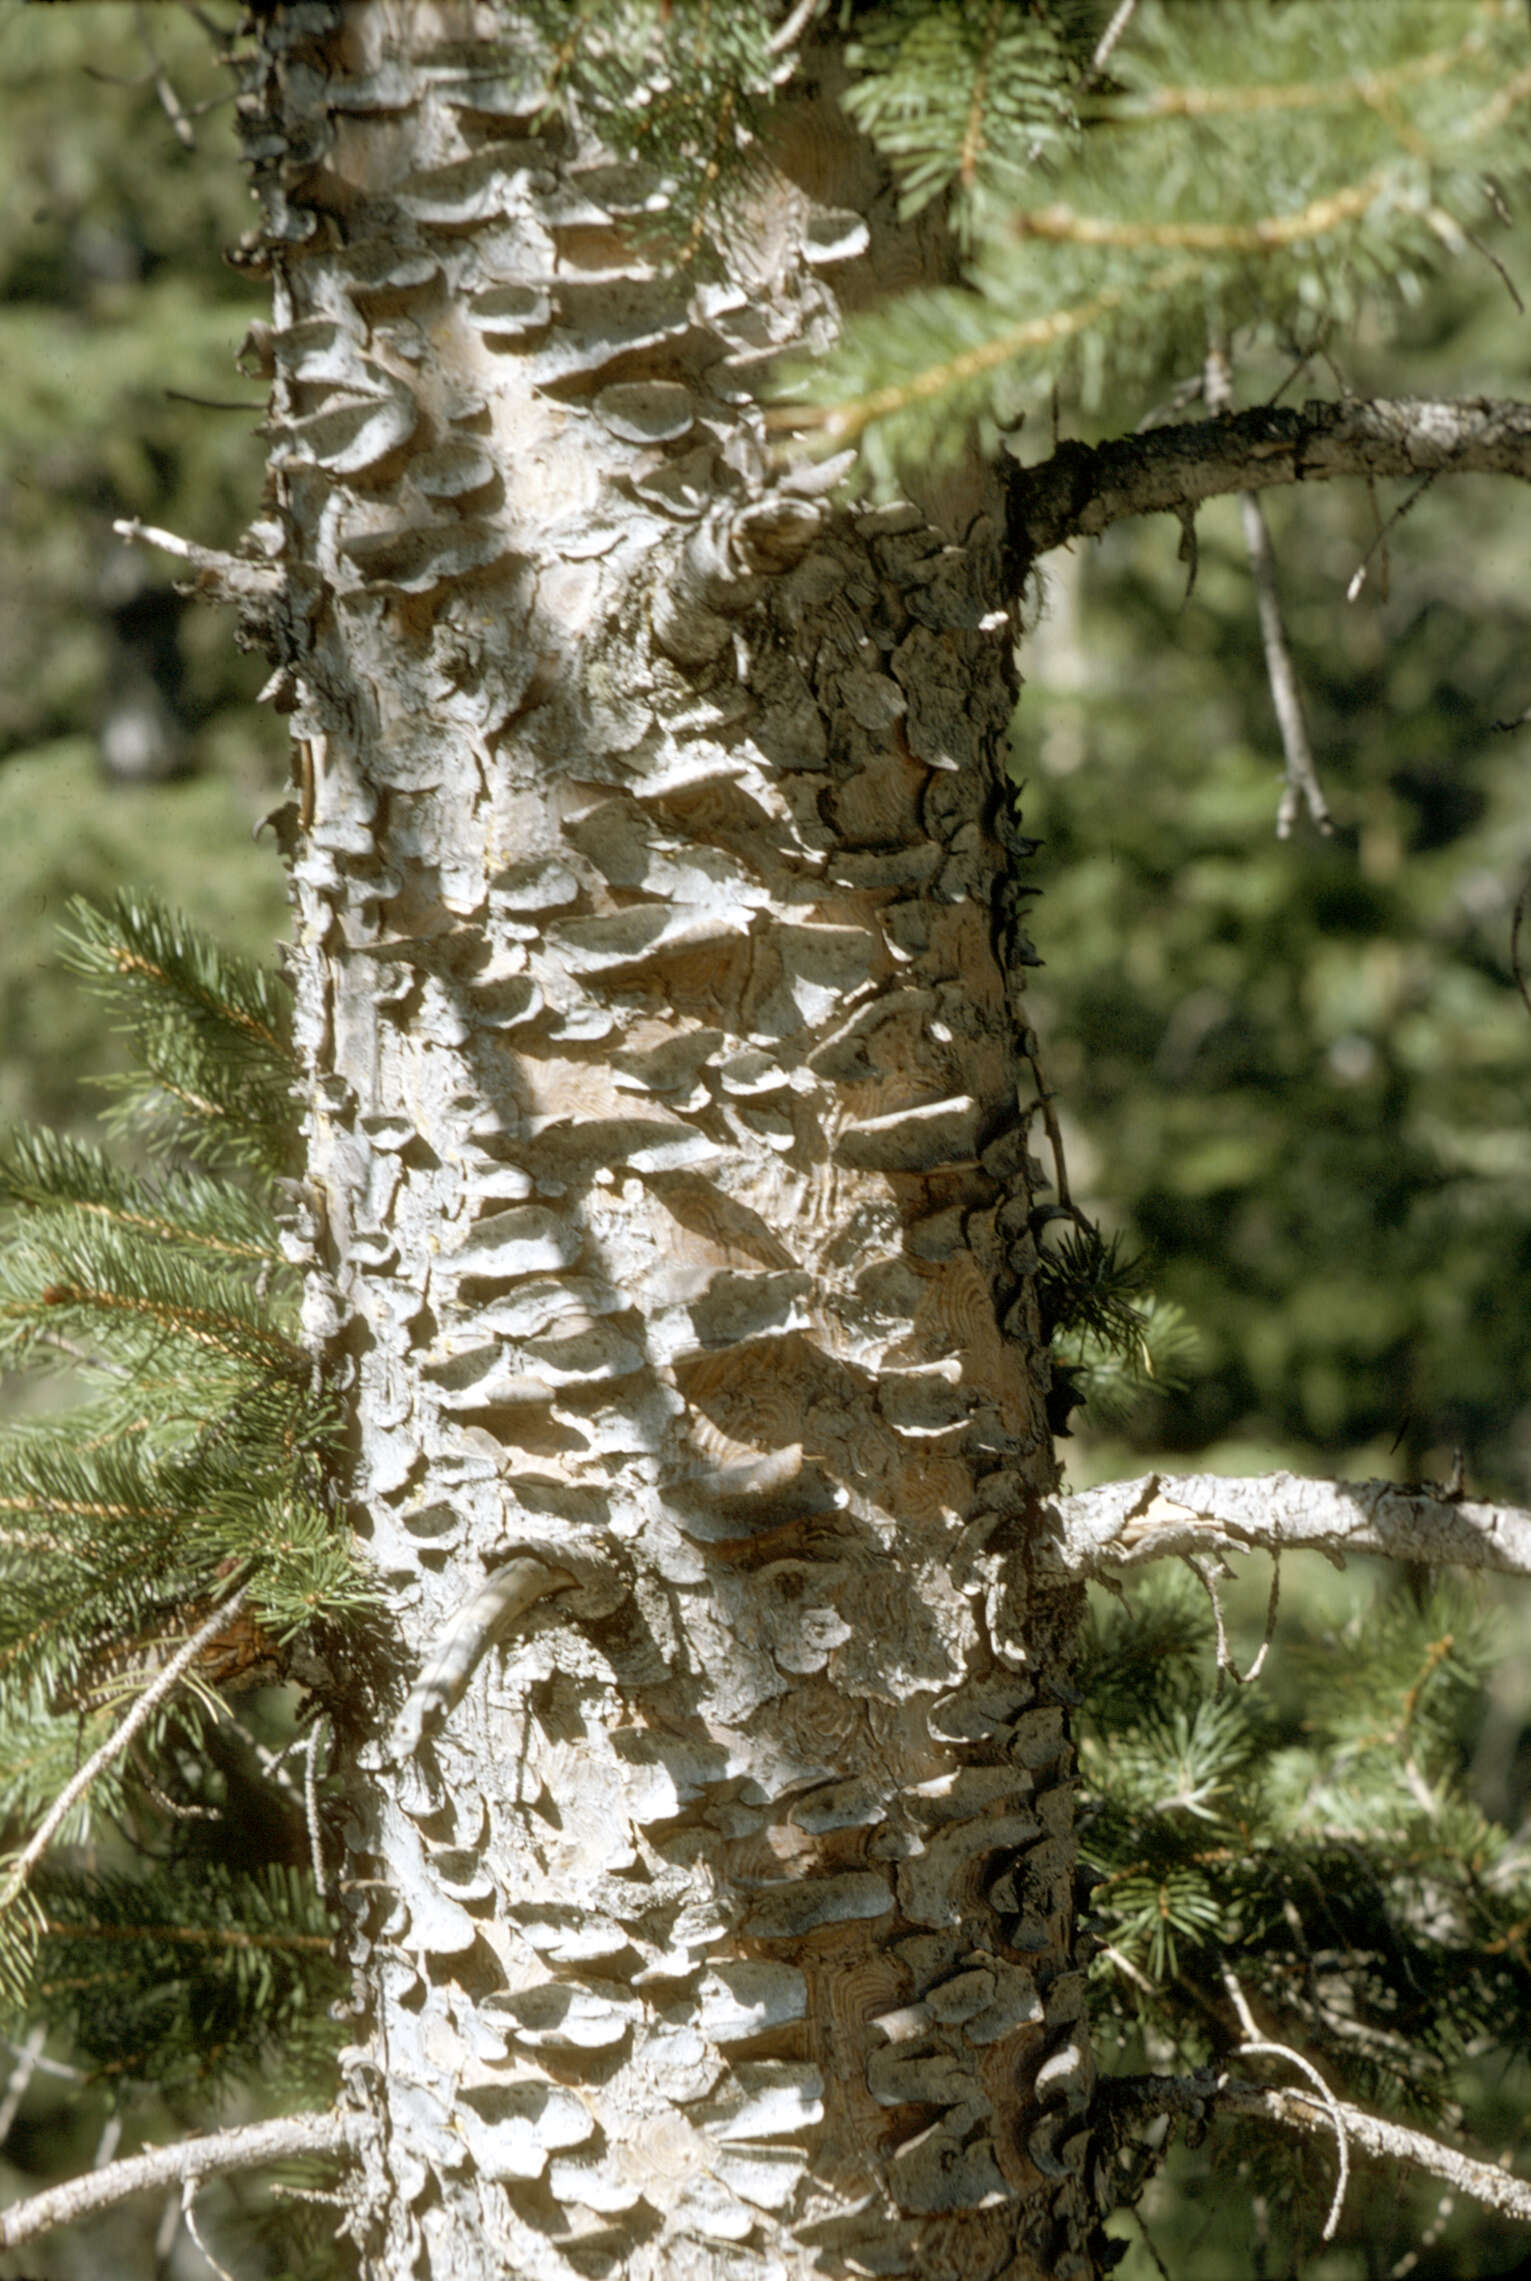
x=1125 y=1524
x=254 y=2146
x=1082 y=489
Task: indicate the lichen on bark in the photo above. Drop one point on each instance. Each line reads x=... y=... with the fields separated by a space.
x=659 y=968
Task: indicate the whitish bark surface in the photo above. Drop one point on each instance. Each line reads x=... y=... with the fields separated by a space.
x=1124 y=1524
x=658 y=967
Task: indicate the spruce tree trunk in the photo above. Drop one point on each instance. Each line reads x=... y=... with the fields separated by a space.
x=659 y=975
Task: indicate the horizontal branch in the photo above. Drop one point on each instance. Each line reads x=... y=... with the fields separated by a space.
x=221 y=577
x=1130 y=2100
x=1126 y=1523
x=1481 y=2182
x=1082 y=489
x=252 y=2147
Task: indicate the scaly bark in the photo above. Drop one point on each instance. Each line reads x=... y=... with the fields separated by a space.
x=659 y=969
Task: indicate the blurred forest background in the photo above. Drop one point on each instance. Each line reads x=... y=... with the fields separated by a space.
x=1293 y=1073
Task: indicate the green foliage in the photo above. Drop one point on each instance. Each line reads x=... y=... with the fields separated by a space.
x=1295 y=1072
x=193 y=1976
x=966 y=96
x=65 y=834
x=677 y=83
x=1285 y=168
x=114 y=292
x=1317 y=1836
x=215 y=1072
x=202 y=1456
x=1110 y=1339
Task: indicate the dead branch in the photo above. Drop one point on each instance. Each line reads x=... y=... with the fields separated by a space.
x=1082 y=489
x=251 y=2147
x=1482 y=2182
x=1127 y=1523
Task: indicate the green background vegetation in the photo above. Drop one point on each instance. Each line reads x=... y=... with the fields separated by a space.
x=1294 y=1074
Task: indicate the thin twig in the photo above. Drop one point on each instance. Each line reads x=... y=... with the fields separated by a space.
x=59 y=2069
x=1227 y=1668
x=1304 y=358
x=221 y=34
x=1128 y=1969
x=189 y=2213
x=251 y=2147
x=1494 y=262
x=793 y=27
x=1302 y=788
x=1271 y=1606
x=1107 y=42
x=211 y=403
x=1358 y=576
x=1203 y=1572
x=116 y=1743
x=1254 y=2045
x=1384 y=561
x=20 y=2077
x=311 y=1805
x=1148 y=2242
x=149 y=534
x=169 y=102
x=1044 y=1105
x=1521 y=902
x=229 y=577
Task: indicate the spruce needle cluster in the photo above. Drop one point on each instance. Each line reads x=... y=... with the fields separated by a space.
x=1319 y=1835
x=1231 y=167
x=173 y=1931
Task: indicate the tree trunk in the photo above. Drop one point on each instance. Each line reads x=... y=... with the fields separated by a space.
x=659 y=972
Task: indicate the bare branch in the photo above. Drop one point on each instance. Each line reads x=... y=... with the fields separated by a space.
x=1108 y=41
x=1133 y=2098
x=788 y=33
x=222 y=577
x=1081 y=490
x=319 y=1730
x=1257 y=2046
x=21 y=2076
x=170 y=103
x=251 y=2147
x=116 y=1742
x=1482 y=2182
x=1127 y=1523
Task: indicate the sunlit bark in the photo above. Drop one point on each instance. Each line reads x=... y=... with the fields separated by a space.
x=659 y=969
